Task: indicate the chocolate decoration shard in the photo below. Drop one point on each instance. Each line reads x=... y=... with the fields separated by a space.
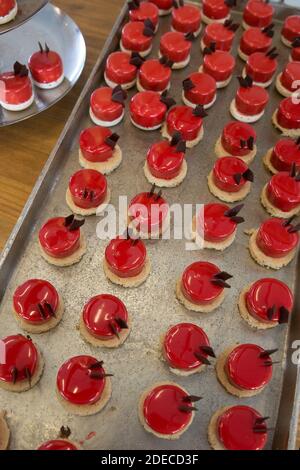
x=76 y=224
x=268 y=352
x=223 y=275
x=288 y=221
x=260 y=429
x=175 y=4
x=136 y=59
x=20 y=70
x=293 y=170
x=158 y=196
x=189 y=37
x=233 y=211
x=176 y=138
x=99 y=375
x=243 y=143
x=148 y=23
x=92 y=195
x=187 y=409
x=134 y=241
x=85 y=193
x=261 y=420
x=14 y=374
x=148 y=32
x=65 y=432
x=114 y=329
x=220 y=283
x=118 y=94
x=294 y=229
x=121 y=323
x=50 y=309
x=231 y=26
x=283 y=315
x=248 y=175
x=96 y=365
x=230 y=3
x=199 y=111
x=28 y=375
x=271 y=51
x=250 y=143
x=47 y=49
x=245 y=82
x=167 y=100
x=268 y=31
x=166 y=62
x=237 y=177
x=207 y=51
x=237 y=219
x=298 y=141
x=41 y=311
x=270 y=363
x=28 y=337
x=41 y=47
x=152 y=190
x=208 y=350
x=271 y=312
x=296 y=42
x=112 y=140
x=134 y=5
x=181 y=146
x=202 y=358
x=188 y=84
x=69 y=220
x=191 y=399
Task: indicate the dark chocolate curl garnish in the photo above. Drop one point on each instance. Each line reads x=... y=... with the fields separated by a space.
x=289 y=221
x=134 y=5
x=207 y=51
x=268 y=31
x=14 y=374
x=152 y=190
x=114 y=329
x=230 y=3
x=220 y=283
x=268 y=352
x=283 y=315
x=148 y=23
x=237 y=219
x=28 y=375
x=69 y=220
x=271 y=363
x=296 y=42
x=167 y=100
x=211 y=49
x=112 y=140
x=20 y=70
x=181 y=146
x=231 y=26
x=271 y=312
x=191 y=399
x=85 y=193
x=166 y=62
x=250 y=143
x=96 y=365
x=148 y=32
x=237 y=177
x=76 y=224
x=208 y=350
x=41 y=47
x=135 y=241
x=260 y=429
x=248 y=175
x=47 y=49
x=92 y=195
x=136 y=59
x=294 y=229
x=261 y=420
x=50 y=309
x=189 y=37
x=187 y=409
x=65 y=432
x=293 y=170
x=99 y=375
x=298 y=141
x=243 y=143
x=175 y=4
x=120 y=322
x=245 y=82
x=42 y=311
x=118 y=94
x=271 y=51
x=188 y=84
x=223 y=275
x=233 y=211
x=202 y=358
x=199 y=111
x=176 y=138
x=159 y=194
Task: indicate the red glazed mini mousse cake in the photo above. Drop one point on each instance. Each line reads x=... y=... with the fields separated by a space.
x=166 y=410
x=215 y=226
x=107 y=106
x=250 y=101
x=238 y=139
x=281 y=195
x=283 y=156
x=164 y=6
x=186 y=348
x=87 y=193
x=257 y=13
x=201 y=287
x=37 y=306
x=46 y=68
x=222 y=35
x=186 y=18
x=104 y=321
x=24 y=364
x=82 y=386
x=137 y=36
x=8 y=11
x=121 y=68
x=187 y=121
x=155 y=75
x=165 y=164
x=176 y=47
x=245 y=370
x=287 y=117
x=142 y=11
x=266 y=303
x=98 y=149
x=199 y=89
x=290 y=30
x=58 y=444
x=126 y=262
x=295 y=52
x=237 y=427
x=274 y=243
x=216 y=11
x=61 y=242
x=255 y=40
x=16 y=92
x=230 y=179
x=288 y=81
x=218 y=64
x=148 y=109
x=261 y=67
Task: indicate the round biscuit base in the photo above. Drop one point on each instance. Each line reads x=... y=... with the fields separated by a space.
x=106 y=167
x=244 y=312
x=274 y=211
x=86 y=212
x=221 y=152
x=179 y=372
x=88 y=410
x=189 y=143
x=264 y=260
x=4 y=432
x=68 y=260
x=225 y=196
x=163 y=183
x=44 y=327
x=212 y=432
x=242 y=55
x=194 y=307
x=134 y=281
x=24 y=385
x=194 y=105
x=242 y=117
x=286 y=42
x=293 y=133
x=143 y=421
x=268 y=163
x=281 y=89
x=220 y=246
x=115 y=342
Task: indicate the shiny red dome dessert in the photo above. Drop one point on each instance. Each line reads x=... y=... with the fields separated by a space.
x=121 y=68
x=221 y=35
x=250 y=101
x=261 y=67
x=46 y=68
x=107 y=106
x=238 y=139
x=218 y=64
x=8 y=10
x=142 y=11
x=255 y=40
x=137 y=36
x=164 y=6
x=199 y=89
x=290 y=30
x=216 y=11
x=186 y=18
x=187 y=121
x=257 y=13
x=287 y=117
x=148 y=109
x=148 y=213
x=284 y=154
x=288 y=81
x=155 y=75
x=16 y=92
x=176 y=47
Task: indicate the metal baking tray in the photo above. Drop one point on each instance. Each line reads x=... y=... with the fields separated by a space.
x=53 y=26
x=36 y=415
x=26 y=9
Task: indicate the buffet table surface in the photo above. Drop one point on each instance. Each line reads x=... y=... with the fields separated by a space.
x=26 y=146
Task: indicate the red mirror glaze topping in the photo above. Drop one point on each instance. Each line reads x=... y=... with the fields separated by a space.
x=14 y=88
x=274 y=240
x=161 y=409
x=266 y=293
x=258 y=13
x=288 y=114
x=290 y=77
x=29 y=295
x=149 y=211
x=196 y=283
x=246 y=369
x=21 y=354
x=174 y=46
x=163 y=4
x=45 y=67
x=284 y=154
x=215 y=9
x=261 y=68
x=58 y=444
x=103 y=107
x=254 y=40
x=283 y=191
x=146 y=109
x=93 y=146
x=102 y=311
x=295 y=54
x=57 y=240
x=88 y=188
x=182 y=119
x=223 y=173
x=219 y=64
x=186 y=19
x=6 y=6
x=291 y=27
x=125 y=258
x=154 y=76
x=133 y=38
x=118 y=68
x=164 y=161
x=232 y=135
x=252 y=100
x=75 y=381
x=220 y=35
x=145 y=11
x=204 y=90
x=216 y=226
x=180 y=344
x=235 y=429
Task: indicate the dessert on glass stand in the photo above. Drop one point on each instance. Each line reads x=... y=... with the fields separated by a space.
x=46 y=68
x=16 y=92
x=8 y=11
